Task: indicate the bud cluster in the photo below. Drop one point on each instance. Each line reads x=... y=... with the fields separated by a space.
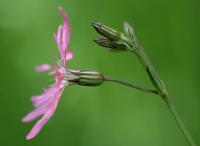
x=113 y=39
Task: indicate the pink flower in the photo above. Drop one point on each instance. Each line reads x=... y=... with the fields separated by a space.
x=45 y=104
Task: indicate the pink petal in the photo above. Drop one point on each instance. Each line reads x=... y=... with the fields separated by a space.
x=69 y=54
x=38 y=100
x=58 y=38
x=34 y=114
x=65 y=35
x=50 y=111
x=41 y=101
x=48 y=93
x=43 y=68
x=66 y=28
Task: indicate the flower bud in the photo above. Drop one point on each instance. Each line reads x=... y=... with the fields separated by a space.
x=106 y=31
x=114 y=39
x=87 y=77
x=113 y=45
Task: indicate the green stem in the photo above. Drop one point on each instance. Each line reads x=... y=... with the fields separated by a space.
x=159 y=85
x=179 y=121
x=131 y=85
x=153 y=75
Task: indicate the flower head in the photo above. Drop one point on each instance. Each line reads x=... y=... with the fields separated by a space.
x=45 y=104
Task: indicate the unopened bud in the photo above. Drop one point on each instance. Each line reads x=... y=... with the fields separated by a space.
x=113 y=45
x=88 y=77
x=106 y=31
x=114 y=39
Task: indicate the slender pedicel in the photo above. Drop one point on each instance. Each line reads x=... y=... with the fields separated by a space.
x=131 y=85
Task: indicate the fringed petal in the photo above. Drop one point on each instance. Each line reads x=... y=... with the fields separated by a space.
x=48 y=114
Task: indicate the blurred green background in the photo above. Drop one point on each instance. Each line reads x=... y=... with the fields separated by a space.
x=109 y=115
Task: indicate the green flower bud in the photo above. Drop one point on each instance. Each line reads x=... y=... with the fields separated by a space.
x=113 y=45
x=114 y=39
x=106 y=31
x=87 y=77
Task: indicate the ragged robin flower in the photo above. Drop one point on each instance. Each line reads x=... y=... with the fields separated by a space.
x=46 y=104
